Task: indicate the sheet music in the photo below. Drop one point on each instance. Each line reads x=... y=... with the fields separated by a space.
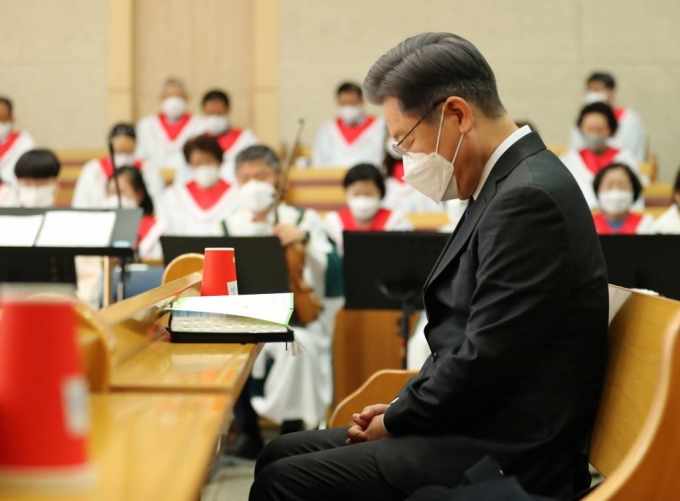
x=76 y=229
x=19 y=231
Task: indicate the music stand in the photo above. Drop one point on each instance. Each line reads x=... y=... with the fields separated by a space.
x=261 y=266
x=387 y=271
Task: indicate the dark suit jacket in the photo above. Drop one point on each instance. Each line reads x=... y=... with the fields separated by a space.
x=517 y=310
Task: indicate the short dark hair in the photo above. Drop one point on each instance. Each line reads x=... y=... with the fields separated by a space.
x=7 y=102
x=203 y=143
x=427 y=68
x=350 y=87
x=37 y=164
x=365 y=172
x=216 y=95
x=123 y=129
x=602 y=109
x=637 y=185
x=605 y=78
x=134 y=176
x=259 y=152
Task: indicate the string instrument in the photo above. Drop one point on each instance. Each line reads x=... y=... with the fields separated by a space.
x=307 y=306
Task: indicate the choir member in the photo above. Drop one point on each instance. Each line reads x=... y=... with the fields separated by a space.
x=13 y=143
x=36 y=172
x=352 y=137
x=669 y=221
x=630 y=134
x=161 y=136
x=197 y=207
x=90 y=189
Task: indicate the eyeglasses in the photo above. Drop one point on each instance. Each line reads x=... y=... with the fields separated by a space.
x=397 y=146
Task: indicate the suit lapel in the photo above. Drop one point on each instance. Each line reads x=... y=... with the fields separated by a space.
x=525 y=147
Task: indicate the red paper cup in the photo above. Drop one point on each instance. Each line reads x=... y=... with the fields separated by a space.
x=44 y=410
x=219 y=273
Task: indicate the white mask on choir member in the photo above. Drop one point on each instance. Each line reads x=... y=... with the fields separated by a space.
x=390 y=151
x=363 y=208
x=124 y=159
x=615 y=202
x=596 y=96
x=351 y=114
x=5 y=130
x=206 y=176
x=257 y=196
x=216 y=125
x=173 y=107
x=111 y=202
x=36 y=196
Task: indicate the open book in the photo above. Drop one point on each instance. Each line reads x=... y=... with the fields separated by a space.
x=255 y=318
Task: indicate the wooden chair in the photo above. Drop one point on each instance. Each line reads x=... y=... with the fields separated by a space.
x=182 y=266
x=316 y=188
x=428 y=221
x=658 y=194
x=635 y=444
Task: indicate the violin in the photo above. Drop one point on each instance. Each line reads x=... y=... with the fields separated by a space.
x=307 y=306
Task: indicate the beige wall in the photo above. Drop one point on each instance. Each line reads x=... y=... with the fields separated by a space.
x=540 y=50
x=53 y=65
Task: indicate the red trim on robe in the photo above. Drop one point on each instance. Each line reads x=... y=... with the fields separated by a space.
x=207 y=198
x=629 y=227
x=228 y=139
x=9 y=142
x=352 y=132
x=378 y=224
x=107 y=167
x=618 y=113
x=145 y=226
x=398 y=171
x=595 y=162
x=173 y=129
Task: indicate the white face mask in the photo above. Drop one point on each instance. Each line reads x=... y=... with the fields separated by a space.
x=5 y=130
x=124 y=160
x=173 y=107
x=596 y=96
x=216 y=124
x=615 y=202
x=363 y=208
x=432 y=174
x=390 y=150
x=36 y=196
x=595 y=142
x=257 y=196
x=111 y=202
x=206 y=176
x=351 y=114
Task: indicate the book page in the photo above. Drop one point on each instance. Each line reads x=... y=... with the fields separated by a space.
x=276 y=308
x=19 y=231
x=76 y=229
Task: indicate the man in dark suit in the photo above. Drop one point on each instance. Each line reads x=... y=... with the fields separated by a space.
x=517 y=305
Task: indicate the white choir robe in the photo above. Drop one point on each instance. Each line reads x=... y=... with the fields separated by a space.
x=160 y=142
x=16 y=144
x=8 y=197
x=339 y=145
x=630 y=134
x=186 y=210
x=635 y=223
x=584 y=176
x=668 y=223
x=402 y=197
x=91 y=186
x=301 y=386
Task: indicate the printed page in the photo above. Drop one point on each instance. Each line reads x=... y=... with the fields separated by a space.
x=276 y=308
x=19 y=231
x=76 y=229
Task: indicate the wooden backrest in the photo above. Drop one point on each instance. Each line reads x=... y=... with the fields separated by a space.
x=95 y=343
x=182 y=266
x=658 y=195
x=316 y=188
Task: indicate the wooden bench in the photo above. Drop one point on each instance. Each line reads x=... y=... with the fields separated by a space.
x=635 y=444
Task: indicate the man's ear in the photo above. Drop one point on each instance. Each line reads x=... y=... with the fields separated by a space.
x=460 y=108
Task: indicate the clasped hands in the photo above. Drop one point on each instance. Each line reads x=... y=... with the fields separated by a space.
x=368 y=425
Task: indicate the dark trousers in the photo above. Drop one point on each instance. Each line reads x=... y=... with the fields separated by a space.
x=317 y=465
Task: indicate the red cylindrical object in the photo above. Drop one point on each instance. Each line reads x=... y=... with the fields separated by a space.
x=219 y=273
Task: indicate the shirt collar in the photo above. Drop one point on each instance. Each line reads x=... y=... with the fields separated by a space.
x=498 y=152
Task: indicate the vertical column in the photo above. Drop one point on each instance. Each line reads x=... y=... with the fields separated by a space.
x=265 y=109
x=119 y=66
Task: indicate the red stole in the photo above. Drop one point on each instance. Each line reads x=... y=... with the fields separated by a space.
x=398 y=171
x=352 y=132
x=595 y=162
x=107 y=167
x=378 y=223
x=145 y=226
x=9 y=142
x=618 y=113
x=228 y=139
x=174 y=129
x=206 y=198
x=629 y=227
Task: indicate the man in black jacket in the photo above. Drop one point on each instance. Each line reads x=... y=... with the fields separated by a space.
x=517 y=305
